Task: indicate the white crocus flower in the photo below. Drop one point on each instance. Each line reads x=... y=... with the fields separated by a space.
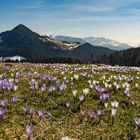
x=11 y=80
x=91 y=86
x=106 y=105
x=35 y=72
x=15 y=88
x=137 y=85
x=64 y=78
x=71 y=78
x=110 y=86
x=86 y=91
x=94 y=82
x=123 y=85
x=76 y=76
x=115 y=104
x=66 y=138
x=113 y=112
x=127 y=88
x=117 y=87
x=62 y=73
x=74 y=92
x=106 y=85
x=89 y=81
x=115 y=83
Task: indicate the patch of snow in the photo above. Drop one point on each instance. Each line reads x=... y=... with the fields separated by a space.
x=67 y=38
x=19 y=58
x=14 y=58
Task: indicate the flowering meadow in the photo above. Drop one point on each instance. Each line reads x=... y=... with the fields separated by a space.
x=83 y=102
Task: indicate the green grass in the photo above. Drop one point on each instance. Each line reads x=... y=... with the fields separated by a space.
x=66 y=121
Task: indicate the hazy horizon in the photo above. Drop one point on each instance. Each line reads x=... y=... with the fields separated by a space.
x=113 y=19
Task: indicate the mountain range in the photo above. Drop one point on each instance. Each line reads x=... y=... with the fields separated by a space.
x=37 y=48
x=96 y=41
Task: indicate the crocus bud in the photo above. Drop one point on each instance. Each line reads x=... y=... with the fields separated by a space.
x=113 y=112
x=68 y=104
x=29 y=130
x=91 y=114
x=40 y=114
x=81 y=98
x=74 y=92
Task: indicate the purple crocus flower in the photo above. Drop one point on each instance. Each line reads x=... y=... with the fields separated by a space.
x=91 y=114
x=63 y=87
x=4 y=103
x=31 y=112
x=137 y=121
x=26 y=109
x=68 y=104
x=10 y=86
x=29 y=130
x=40 y=114
x=81 y=98
x=67 y=81
x=99 y=89
x=99 y=112
x=128 y=95
x=4 y=86
x=48 y=116
x=4 y=76
x=126 y=92
x=2 y=111
x=44 y=77
x=52 y=89
x=13 y=99
x=32 y=84
x=83 y=112
x=104 y=96
x=43 y=88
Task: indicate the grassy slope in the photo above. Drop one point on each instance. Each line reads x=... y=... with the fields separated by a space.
x=66 y=121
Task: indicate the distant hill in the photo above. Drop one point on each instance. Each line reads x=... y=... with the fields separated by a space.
x=130 y=57
x=36 y=48
x=89 y=52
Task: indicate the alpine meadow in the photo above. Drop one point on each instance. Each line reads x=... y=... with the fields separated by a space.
x=69 y=70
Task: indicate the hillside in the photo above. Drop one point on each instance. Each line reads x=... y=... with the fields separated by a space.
x=130 y=57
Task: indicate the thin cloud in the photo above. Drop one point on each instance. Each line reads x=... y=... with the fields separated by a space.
x=35 y=5
x=100 y=19
x=102 y=5
x=133 y=11
x=91 y=8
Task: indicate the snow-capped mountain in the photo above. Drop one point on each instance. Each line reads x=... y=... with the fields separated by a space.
x=96 y=41
x=111 y=44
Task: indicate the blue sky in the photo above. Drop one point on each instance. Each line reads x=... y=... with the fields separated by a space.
x=114 y=19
